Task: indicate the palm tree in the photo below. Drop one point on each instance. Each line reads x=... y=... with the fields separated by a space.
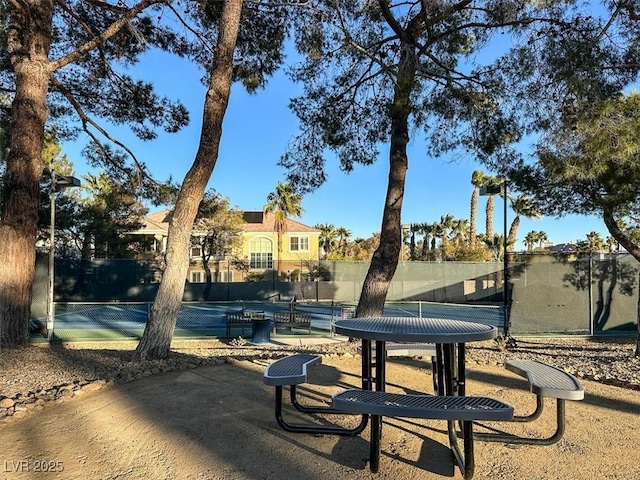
x=478 y=179
x=437 y=232
x=446 y=221
x=595 y=242
x=522 y=206
x=460 y=231
x=328 y=237
x=495 y=244
x=408 y=241
x=541 y=237
x=364 y=248
x=343 y=240
x=411 y=233
x=283 y=203
x=530 y=240
x=359 y=249
x=490 y=181
x=427 y=230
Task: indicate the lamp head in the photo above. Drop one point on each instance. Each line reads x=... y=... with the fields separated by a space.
x=491 y=190
x=66 y=181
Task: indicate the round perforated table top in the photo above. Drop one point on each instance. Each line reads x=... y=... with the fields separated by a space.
x=412 y=329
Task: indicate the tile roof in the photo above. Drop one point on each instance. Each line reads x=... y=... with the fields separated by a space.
x=268 y=224
x=159 y=221
x=155 y=222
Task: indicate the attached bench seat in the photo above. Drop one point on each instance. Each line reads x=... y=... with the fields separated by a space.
x=544 y=381
x=422 y=406
x=463 y=409
x=242 y=319
x=291 y=319
x=291 y=371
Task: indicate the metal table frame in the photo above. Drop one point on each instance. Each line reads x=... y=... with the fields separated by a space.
x=449 y=336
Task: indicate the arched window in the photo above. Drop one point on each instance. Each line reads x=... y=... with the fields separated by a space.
x=261 y=253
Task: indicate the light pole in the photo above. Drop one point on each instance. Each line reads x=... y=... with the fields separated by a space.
x=58 y=183
x=228 y=279
x=501 y=188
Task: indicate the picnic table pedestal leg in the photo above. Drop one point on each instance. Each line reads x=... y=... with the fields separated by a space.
x=449 y=369
x=376 y=420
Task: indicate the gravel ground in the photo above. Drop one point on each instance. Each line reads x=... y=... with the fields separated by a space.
x=40 y=368
x=176 y=425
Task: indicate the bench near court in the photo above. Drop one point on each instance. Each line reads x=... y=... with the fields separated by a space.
x=241 y=319
x=291 y=319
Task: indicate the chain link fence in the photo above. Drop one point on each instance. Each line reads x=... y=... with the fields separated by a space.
x=547 y=294
x=84 y=321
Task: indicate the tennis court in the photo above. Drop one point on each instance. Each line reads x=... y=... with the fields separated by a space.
x=118 y=321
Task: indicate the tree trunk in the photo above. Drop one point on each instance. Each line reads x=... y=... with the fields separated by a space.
x=412 y=246
x=28 y=43
x=634 y=250
x=472 y=216
x=156 y=340
x=280 y=233
x=385 y=259
x=513 y=232
x=425 y=247
x=637 y=353
x=488 y=227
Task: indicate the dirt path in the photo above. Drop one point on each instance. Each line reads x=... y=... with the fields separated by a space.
x=217 y=422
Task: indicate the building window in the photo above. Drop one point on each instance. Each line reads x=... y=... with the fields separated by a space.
x=196 y=252
x=261 y=260
x=299 y=244
x=197 y=277
x=261 y=253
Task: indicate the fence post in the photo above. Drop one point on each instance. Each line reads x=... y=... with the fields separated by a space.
x=590 y=293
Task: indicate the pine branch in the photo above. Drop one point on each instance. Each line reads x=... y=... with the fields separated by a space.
x=113 y=29
x=86 y=121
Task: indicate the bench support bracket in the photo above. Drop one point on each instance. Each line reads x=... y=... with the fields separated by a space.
x=514 y=439
x=464 y=458
x=314 y=429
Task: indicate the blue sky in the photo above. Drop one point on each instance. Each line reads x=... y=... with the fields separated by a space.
x=256 y=131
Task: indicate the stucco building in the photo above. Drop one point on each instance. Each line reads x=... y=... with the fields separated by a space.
x=258 y=249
